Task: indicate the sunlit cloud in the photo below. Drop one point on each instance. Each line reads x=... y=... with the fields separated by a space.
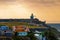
x=43 y=2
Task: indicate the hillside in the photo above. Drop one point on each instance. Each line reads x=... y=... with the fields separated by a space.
x=10 y=24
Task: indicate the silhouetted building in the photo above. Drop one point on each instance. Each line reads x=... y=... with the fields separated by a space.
x=31 y=20
x=32 y=16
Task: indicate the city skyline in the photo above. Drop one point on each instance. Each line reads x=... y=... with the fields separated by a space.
x=45 y=10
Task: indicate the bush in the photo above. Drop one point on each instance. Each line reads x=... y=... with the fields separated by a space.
x=50 y=35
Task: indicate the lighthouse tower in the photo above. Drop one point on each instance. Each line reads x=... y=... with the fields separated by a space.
x=32 y=16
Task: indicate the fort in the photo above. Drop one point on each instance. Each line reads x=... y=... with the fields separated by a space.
x=31 y=20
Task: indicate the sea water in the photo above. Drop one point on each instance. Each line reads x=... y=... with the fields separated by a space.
x=56 y=26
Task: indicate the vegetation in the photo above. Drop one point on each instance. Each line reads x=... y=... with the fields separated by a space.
x=31 y=36
x=10 y=24
x=51 y=34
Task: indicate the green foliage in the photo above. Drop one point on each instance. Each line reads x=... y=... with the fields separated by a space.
x=10 y=24
x=50 y=34
x=31 y=35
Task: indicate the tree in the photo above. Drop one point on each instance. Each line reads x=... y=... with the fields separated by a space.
x=50 y=35
x=31 y=36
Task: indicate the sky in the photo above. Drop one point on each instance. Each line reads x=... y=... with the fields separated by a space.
x=44 y=10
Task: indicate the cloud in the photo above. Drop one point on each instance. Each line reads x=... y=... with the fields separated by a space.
x=7 y=0
x=33 y=2
x=43 y=2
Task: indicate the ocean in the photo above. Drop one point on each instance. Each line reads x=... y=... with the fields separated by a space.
x=56 y=26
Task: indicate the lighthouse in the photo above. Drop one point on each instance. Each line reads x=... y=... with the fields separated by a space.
x=32 y=16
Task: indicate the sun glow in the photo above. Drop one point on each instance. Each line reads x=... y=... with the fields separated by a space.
x=14 y=11
x=19 y=9
x=23 y=9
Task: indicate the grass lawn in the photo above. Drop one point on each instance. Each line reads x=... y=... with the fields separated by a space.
x=10 y=24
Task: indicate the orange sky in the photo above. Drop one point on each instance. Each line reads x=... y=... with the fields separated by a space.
x=48 y=10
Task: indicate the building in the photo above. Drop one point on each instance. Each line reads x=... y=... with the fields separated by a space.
x=31 y=20
x=5 y=31
x=20 y=28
